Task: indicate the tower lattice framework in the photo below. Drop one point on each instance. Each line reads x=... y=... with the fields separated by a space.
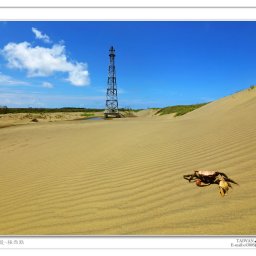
x=112 y=100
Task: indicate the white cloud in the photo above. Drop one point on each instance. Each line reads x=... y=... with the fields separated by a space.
x=47 y=85
x=41 y=36
x=79 y=76
x=7 y=80
x=42 y=62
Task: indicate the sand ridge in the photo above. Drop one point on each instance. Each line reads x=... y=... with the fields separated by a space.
x=124 y=176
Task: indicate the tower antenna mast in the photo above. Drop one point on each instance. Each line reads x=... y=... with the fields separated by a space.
x=111 y=101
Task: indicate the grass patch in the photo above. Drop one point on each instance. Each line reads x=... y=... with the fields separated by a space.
x=252 y=87
x=137 y=110
x=87 y=114
x=179 y=110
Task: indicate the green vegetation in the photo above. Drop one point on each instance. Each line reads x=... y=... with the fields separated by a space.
x=5 y=110
x=129 y=109
x=137 y=110
x=126 y=112
x=179 y=110
x=252 y=87
x=155 y=108
x=87 y=114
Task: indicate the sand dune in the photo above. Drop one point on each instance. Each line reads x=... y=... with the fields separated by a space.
x=124 y=176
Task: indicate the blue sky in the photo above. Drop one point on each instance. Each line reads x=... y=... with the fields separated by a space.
x=158 y=64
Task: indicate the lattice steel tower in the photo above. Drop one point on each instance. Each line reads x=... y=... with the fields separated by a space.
x=111 y=101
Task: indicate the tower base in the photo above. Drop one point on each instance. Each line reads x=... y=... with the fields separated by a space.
x=112 y=114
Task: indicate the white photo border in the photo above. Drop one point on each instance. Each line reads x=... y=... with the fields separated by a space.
x=11 y=12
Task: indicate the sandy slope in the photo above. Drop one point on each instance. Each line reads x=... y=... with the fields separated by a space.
x=147 y=113
x=124 y=176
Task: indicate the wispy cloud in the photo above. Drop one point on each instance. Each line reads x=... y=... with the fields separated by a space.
x=39 y=35
x=43 y=62
x=23 y=99
x=47 y=85
x=7 y=80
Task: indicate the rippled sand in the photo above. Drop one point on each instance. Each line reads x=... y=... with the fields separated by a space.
x=124 y=176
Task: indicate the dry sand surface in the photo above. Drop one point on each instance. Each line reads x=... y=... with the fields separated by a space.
x=125 y=176
x=7 y=120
